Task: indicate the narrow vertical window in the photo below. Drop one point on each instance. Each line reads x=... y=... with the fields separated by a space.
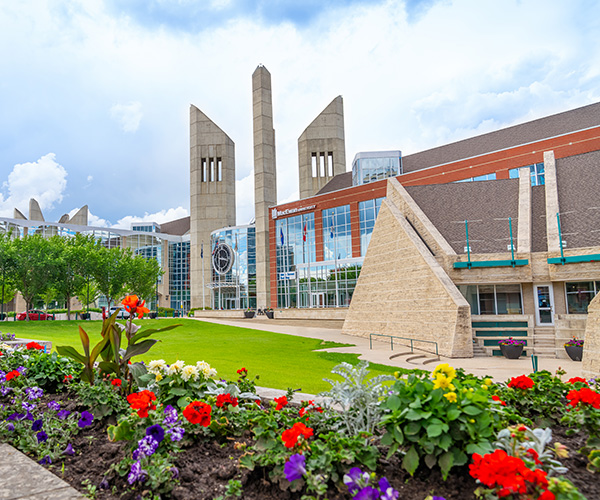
x=314 y=164
x=330 y=164
x=212 y=169
x=203 y=168
x=322 y=165
x=219 y=169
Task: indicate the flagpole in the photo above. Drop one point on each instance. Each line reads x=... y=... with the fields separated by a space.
x=202 y=261
x=237 y=268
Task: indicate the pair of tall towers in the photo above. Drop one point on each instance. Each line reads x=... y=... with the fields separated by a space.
x=321 y=155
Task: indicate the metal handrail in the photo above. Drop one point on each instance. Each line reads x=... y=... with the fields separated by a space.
x=392 y=337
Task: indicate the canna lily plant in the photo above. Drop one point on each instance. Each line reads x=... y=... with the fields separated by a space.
x=115 y=358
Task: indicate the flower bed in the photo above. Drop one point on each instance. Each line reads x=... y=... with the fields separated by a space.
x=120 y=430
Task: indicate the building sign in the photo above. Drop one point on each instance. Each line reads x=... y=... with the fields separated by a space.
x=289 y=211
x=289 y=275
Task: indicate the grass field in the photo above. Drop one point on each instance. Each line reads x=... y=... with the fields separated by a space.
x=282 y=361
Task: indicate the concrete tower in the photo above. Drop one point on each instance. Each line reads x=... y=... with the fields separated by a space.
x=212 y=196
x=265 y=177
x=322 y=149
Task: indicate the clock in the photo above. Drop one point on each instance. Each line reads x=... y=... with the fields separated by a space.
x=222 y=258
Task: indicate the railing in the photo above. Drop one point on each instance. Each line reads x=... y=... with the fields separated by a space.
x=392 y=337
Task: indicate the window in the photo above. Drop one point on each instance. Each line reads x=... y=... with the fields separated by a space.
x=321 y=165
x=493 y=299
x=337 y=234
x=580 y=294
x=314 y=164
x=330 y=164
x=219 y=169
x=368 y=211
x=486 y=177
x=536 y=172
x=203 y=170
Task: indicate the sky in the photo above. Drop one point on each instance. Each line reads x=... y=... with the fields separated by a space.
x=95 y=94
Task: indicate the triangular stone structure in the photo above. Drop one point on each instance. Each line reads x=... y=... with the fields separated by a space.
x=590 y=366
x=81 y=217
x=402 y=289
x=35 y=212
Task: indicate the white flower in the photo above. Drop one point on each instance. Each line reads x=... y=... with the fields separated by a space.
x=5 y=347
x=206 y=370
x=175 y=367
x=156 y=366
x=188 y=372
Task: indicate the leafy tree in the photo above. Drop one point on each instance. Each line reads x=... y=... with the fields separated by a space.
x=75 y=257
x=110 y=268
x=143 y=276
x=34 y=265
x=7 y=284
x=88 y=293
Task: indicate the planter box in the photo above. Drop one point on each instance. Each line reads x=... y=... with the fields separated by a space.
x=511 y=351
x=84 y=316
x=152 y=314
x=269 y=314
x=575 y=352
x=249 y=314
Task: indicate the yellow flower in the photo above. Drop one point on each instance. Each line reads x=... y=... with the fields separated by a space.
x=451 y=397
x=484 y=387
x=442 y=382
x=472 y=420
x=487 y=381
x=471 y=389
x=445 y=369
x=159 y=377
x=397 y=374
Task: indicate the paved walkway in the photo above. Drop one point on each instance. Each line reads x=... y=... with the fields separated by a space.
x=496 y=367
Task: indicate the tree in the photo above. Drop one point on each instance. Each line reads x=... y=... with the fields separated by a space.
x=143 y=276
x=34 y=264
x=110 y=269
x=74 y=262
x=7 y=284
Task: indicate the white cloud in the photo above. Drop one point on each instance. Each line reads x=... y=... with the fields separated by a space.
x=45 y=180
x=159 y=217
x=128 y=115
x=244 y=199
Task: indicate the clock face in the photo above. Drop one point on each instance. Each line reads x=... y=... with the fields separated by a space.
x=222 y=258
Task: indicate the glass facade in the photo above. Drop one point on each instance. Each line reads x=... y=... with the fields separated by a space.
x=486 y=177
x=368 y=211
x=337 y=233
x=179 y=275
x=376 y=165
x=580 y=294
x=493 y=299
x=537 y=174
x=235 y=286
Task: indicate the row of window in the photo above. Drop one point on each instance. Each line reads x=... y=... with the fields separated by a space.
x=211 y=170
x=322 y=164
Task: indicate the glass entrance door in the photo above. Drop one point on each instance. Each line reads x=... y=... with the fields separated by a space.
x=544 y=305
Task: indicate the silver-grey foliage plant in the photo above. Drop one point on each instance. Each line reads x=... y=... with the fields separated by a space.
x=359 y=398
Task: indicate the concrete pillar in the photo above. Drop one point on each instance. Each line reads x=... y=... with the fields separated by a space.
x=212 y=198
x=265 y=177
x=35 y=212
x=324 y=137
x=81 y=217
x=524 y=222
x=552 y=207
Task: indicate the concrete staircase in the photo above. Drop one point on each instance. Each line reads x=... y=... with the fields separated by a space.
x=544 y=341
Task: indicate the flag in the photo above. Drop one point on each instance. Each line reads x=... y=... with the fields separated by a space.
x=281 y=234
x=331 y=227
x=202 y=251
x=304 y=233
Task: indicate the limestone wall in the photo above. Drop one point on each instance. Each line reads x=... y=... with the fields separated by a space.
x=591 y=346
x=403 y=290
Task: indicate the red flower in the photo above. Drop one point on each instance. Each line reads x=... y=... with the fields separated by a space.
x=310 y=406
x=242 y=371
x=11 y=375
x=142 y=402
x=134 y=306
x=574 y=380
x=198 y=412
x=584 y=395
x=521 y=382
x=117 y=382
x=34 y=345
x=497 y=398
x=67 y=378
x=258 y=402
x=290 y=436
x=224 y=399
x=547 y=495
x=0 y=353
x=534 y=454
x=281 y=402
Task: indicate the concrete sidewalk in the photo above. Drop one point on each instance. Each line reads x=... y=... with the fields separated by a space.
x=496 y=367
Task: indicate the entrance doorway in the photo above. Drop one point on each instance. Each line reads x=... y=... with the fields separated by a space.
x=544 y=305
x=318 y=299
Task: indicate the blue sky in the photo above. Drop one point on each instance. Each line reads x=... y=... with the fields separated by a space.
x=95 y=94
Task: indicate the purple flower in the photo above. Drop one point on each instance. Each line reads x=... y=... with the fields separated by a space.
x=356 y=479
x=2 y=377
x=104 y=484
x=15 y=416
x=86 y=419
x=438 y=498
x=171 y=416
x=53 y=405
x=147 y=445
x=10 y=426
x=156 y=431
x=42 y=437
x=136 y=473
x=295 y=468
x=367 y=493
x=176 y=433
x=45 y=460
x=387 y=492
x=5 y=390
x=37 y=425
x=69 y=450
x=34 y=393
x=62 y=414
x=28 y=406
x=174 y=472
x=22 y=370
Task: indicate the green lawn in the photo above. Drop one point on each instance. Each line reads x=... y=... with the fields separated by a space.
x=282 y=361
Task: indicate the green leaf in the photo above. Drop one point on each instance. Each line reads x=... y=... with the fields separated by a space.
x=182 y=402
x=247 y=461
x=70 y=352
x=121 y=432
x=434 y=430
x=178 y=391
x=108 y=366
x=410 y=462
x=393 y=402
x=445 y=442
x=150 y=331
x=139 y=348
x=412 y=428
x=85 y=340
x=387 y=439
x=446 y=462
x=430 y=460
x=471 y=410
x=453 y=414
x=417 y=415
